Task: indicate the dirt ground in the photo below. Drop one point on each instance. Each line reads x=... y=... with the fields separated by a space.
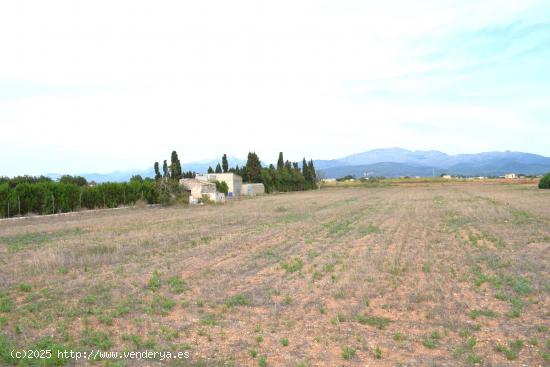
x=423 y=275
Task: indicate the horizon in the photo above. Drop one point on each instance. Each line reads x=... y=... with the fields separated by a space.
x=99 y=87
x=264 y=162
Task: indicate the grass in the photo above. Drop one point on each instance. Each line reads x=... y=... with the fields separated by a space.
x=154 y=282
x=24 y=287
x=97 y=339
x=340 y=270
x=512 y=351
x=378 y=322
x=6 y=303
x=237 y=300
x=177 y=285
x=293 y=265
x=348 y=353
x=474 y=314
x=432 y=340
x=35 y=240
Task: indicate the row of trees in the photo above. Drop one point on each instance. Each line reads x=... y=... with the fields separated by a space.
x=286 y=176
x=41 y=195
x=173 y=171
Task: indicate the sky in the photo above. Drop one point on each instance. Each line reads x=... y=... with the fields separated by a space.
x=96 y=86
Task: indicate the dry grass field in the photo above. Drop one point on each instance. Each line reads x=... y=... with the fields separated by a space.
x=423 y=275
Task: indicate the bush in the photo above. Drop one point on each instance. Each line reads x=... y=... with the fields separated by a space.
x=221 y=186
x=544 y=182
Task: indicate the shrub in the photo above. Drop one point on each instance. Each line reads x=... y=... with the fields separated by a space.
x=544 y=182
x=293 y=265
x=348 y=353
x=221 y=186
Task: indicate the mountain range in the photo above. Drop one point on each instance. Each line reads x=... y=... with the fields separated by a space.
x=395 y=162
x=389 y=162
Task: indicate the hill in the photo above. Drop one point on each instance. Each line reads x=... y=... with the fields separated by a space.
x=395 y=162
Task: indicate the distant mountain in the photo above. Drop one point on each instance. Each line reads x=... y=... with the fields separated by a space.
x=391 y=162
x=121 y=176
x=395 y=162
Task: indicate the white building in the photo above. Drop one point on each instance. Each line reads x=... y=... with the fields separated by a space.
x=199 y=190
x=252 y=189
x=510 y=175
x=232 y=180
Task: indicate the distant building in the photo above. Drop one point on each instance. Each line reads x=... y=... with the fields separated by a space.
x=232 y=180
x=327 y=180
x=252 y=189
x=446 y=177
x=510 y=175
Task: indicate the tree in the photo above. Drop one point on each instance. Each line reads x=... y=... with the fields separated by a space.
x=253 y=168
x=280 y=161
x=544 y=182
x=136 y=178
x=218 y=168
x=75 y=180
x=210 y=170
x=175 y=166
x=221 y=186
x=165 y=172
x=225 y=163
x=157 y=171
x=287 y=165
x=312 y=173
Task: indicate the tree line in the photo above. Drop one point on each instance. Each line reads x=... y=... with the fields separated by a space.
x=286 y=176
x=41 y=195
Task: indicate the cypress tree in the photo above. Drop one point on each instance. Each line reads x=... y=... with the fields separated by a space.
x=306 y=171
x=280 y=161
x=225 y=163
x=210 y=170
x=312 y=173
x=157 y=171
x=287 y=165
x=165 y=172
x=253 y=168
x=175 y=166
x=218 y=168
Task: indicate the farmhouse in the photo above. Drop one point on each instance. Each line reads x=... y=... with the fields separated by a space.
x=232 y=180
x=200 y=189
x=510 y=175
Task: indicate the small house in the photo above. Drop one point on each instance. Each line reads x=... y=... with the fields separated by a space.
x=232 y=180
x=199 y=190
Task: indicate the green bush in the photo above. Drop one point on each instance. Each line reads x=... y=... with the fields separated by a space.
x=221 y=186
x=544 y=182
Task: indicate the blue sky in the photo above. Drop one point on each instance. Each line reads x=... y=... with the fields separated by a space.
x=98 y=86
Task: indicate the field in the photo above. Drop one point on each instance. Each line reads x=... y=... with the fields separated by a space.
x=416 y=275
